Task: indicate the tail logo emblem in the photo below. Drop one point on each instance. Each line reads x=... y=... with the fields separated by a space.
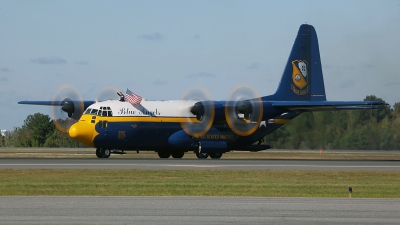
x=300 y=77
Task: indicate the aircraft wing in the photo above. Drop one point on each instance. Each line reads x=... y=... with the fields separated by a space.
x=56 y=103
x=326 y=105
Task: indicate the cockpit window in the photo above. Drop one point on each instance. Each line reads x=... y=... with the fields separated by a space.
x=87 y=111
x=104 y=111
x=90 y=111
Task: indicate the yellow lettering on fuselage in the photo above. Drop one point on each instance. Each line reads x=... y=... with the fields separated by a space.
x=217 y=137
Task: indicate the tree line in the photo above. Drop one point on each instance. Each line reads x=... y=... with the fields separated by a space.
x=38 y=130
x=350 y=129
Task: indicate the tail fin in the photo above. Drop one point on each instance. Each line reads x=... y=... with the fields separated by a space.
x=302 y=79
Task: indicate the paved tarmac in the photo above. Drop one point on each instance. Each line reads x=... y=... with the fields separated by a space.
x=197 y=210
x=197 y=164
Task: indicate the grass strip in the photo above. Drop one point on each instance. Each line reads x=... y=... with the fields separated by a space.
x=199 y=183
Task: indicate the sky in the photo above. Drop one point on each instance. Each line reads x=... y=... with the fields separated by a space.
x=160 y=49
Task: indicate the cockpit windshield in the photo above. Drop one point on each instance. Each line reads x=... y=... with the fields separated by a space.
x=104 y=111
x=87 y=111
x=91 y=111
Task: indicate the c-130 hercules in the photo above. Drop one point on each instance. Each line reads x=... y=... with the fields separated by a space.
x=199 y=124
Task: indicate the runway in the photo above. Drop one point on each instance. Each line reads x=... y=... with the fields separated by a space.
x=197 y=164
x=197 y=210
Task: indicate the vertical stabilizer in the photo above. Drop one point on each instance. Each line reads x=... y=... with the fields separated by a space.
x=302 y=78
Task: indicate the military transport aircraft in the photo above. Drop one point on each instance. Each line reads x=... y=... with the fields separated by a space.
x=197 y=123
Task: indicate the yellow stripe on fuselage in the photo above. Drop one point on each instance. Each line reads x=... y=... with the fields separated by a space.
x=153 y=119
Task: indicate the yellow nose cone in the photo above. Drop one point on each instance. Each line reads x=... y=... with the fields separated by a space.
x=82 y=132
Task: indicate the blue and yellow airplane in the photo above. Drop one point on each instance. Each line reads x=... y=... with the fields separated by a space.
x=196 y=123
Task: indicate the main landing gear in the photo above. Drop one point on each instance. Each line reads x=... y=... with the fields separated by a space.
x=203 y=155
x=215 y=155
x=167 y=154
x=103 y=153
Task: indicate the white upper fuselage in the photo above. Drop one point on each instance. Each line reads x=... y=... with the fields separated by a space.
x=174 y=108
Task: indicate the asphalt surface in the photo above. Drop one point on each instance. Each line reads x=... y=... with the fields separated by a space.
x=197 y=164
x=197 y=210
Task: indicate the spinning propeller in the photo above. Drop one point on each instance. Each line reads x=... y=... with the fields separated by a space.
x=107 y=93
x=67 y=107
x=243 y=110
x=197 y=103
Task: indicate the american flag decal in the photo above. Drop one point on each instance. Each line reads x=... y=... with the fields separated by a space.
x=133 y=98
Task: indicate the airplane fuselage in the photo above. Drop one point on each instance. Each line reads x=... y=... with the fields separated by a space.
x=157 y=126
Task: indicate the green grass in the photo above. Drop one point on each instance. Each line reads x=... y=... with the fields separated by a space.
x=199 y=183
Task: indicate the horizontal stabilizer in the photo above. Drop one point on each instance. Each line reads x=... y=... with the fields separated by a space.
x=327 y=105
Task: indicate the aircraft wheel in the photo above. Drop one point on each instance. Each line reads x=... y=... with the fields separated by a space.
x=215 y=155
x=164 y=154
x=177 y=155
x=201 y=155
x=98 y=153
x=105 y=153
